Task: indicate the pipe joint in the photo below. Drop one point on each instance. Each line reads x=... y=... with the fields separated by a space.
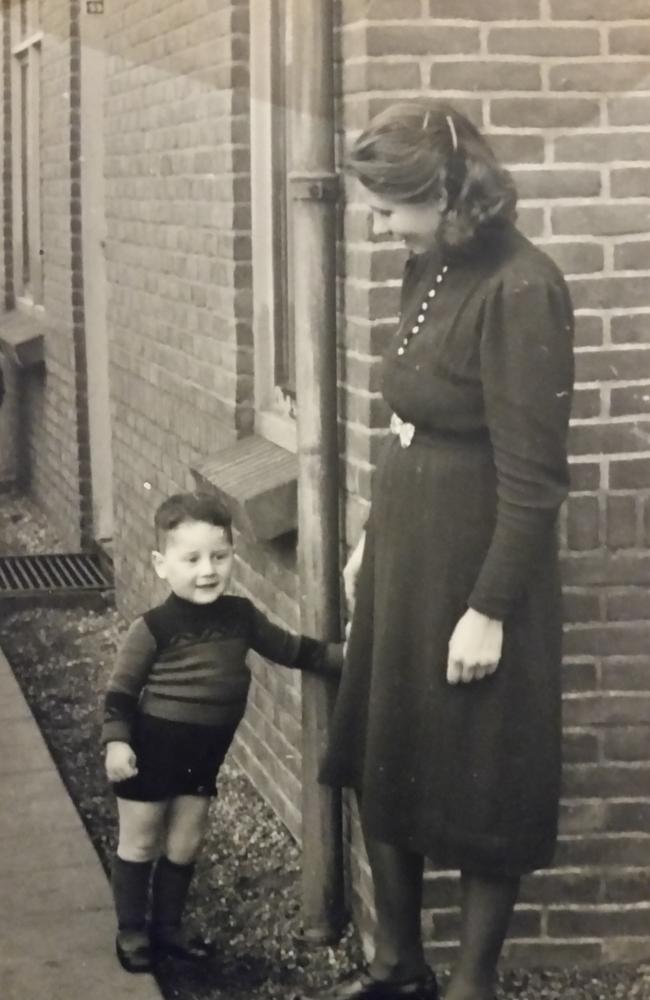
x=314 y=186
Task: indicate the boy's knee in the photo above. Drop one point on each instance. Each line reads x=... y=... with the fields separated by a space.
x=183 y=849
x=183 y=844
x=137 y=850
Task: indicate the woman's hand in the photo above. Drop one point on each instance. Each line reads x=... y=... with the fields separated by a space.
x=120 y=761
x=474 y=648
x=348 y=629
x=351 y=572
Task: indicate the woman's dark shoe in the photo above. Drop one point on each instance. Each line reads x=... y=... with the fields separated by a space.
x=363 y=986
x=174 y=943
x=133 y=949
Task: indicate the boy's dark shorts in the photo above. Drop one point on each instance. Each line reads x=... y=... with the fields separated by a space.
x=175 y=758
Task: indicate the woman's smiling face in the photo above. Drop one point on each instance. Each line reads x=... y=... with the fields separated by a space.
x=415 y=224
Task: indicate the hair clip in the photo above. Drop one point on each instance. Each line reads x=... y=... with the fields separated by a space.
x=452 y=130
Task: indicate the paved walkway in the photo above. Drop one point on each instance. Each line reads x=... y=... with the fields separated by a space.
x=56 y=917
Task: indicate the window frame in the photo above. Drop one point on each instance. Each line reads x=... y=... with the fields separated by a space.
x=26 y=160
x=271 y=221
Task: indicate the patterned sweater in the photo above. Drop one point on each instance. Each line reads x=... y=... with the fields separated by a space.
x=186 y=662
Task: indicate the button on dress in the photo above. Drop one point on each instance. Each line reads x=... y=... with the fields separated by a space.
x=465 y=516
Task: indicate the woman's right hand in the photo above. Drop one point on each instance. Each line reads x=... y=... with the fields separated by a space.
x=351 y=572
x=120 y=761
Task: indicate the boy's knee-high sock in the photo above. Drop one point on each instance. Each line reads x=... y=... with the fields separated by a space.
x=171 y=883
x=130 y=884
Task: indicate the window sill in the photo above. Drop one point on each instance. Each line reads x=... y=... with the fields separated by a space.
x=277 y=428
x=258 y=481
x=22 y=337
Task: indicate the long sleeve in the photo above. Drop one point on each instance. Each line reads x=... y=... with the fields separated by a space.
x=318 y=657
x=134 y=660
x=527 y=374
x=298 y=651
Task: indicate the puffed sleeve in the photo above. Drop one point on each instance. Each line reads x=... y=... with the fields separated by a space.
x=527 y=373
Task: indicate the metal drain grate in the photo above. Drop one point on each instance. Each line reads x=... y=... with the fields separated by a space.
x=38 y=574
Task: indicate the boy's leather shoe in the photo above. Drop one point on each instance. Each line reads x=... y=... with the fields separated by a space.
x=134 y=952
x=363 y=986
x=173 y=943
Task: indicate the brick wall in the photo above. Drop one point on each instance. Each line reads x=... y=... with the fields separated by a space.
x=5 y=189
x=179 y=313
x=179 y=300
x=9 y=426
x=269 y=739
x=52 y=403
x=561 y=88
x=8 y=414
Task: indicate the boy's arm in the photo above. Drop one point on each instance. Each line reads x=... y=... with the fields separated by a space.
x=318 y=657
x=134 y=660
x=298 y=651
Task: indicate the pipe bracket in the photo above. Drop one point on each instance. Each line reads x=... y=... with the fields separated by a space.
x=314 y=186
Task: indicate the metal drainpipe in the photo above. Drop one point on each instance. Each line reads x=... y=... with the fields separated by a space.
x=314 y=192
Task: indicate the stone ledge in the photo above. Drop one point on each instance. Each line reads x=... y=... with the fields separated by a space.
x=259 y=483
x=22 y=338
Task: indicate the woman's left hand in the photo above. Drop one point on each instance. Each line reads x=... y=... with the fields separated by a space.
x=474 y=648
x=348 y=629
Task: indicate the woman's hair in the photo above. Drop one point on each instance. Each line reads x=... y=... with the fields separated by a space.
x=419 y=151
x=183 y=507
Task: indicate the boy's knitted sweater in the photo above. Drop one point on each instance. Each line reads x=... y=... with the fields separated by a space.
x=186 y=662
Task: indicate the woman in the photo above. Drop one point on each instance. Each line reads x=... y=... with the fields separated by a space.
x=447 y=722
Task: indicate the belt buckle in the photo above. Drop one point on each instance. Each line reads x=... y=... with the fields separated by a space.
x=402 y=429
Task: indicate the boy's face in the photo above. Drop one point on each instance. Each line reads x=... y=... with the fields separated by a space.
x=196 y=561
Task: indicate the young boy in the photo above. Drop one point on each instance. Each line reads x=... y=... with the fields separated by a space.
x=173 y=703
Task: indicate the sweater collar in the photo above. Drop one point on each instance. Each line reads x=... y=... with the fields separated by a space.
x=186 y=608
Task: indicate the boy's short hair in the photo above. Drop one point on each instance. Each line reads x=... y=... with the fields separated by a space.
x=198 y=506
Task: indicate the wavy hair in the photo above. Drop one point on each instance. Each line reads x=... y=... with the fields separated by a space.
x=419 y=151
x=183 y=507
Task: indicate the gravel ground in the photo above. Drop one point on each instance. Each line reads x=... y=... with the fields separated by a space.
x=247 y=891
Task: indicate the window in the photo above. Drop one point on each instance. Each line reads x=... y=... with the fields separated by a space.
x=275 y=381
x=25 y=81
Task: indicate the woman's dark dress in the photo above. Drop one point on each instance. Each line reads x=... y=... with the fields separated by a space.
x=467 y=775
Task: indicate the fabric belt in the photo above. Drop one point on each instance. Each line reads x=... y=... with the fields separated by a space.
x=407 y=433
